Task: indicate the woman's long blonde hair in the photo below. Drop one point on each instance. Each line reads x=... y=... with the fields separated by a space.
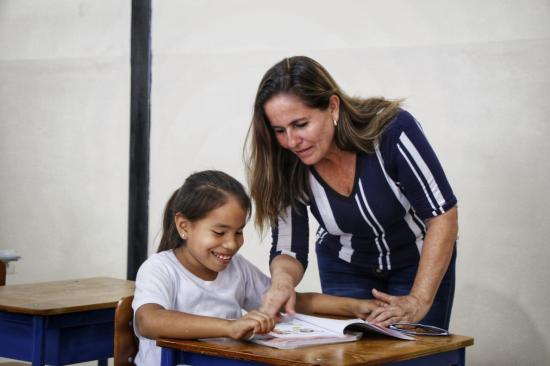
x=276 y=177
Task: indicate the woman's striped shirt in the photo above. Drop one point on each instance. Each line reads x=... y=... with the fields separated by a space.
x=382 y=223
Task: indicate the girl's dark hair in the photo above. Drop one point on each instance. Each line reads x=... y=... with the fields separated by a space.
x=276 y=177
x=201 y=193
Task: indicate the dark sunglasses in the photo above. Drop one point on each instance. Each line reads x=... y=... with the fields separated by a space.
x=418 y=329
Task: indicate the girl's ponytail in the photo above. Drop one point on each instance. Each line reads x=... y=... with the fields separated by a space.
x=170 y=237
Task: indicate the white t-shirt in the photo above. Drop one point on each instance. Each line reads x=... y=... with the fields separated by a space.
x=163 y=280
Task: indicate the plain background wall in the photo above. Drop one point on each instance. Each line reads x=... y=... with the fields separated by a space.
x=64 y=117
x=475 y=74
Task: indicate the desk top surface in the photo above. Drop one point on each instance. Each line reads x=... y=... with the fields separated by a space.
x=371 y=350
x=60 y=297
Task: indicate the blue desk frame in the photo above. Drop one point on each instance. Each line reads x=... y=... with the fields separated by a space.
x=172 y=357
x=58 y=339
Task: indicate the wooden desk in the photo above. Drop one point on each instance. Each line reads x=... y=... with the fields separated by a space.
x=60 y=322
x=372 y=350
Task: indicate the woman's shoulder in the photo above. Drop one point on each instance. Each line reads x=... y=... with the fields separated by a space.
x=402 y=121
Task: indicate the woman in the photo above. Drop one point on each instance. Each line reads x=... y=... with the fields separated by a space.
x=387 y=215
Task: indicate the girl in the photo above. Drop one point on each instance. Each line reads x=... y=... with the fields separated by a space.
x=196 y=285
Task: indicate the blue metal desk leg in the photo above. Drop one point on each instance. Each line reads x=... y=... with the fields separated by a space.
x=462 y=357
x=38 y=333
x=168 y=357
x=102 y=362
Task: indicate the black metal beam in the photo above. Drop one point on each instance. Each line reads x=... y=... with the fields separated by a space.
x=140 y=126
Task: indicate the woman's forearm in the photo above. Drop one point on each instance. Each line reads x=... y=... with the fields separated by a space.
x=286 y=273
x=286 y=268
x=435 y=257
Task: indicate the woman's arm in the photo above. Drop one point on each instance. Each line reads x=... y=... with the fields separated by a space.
x=434 y=261
x=286 y=273
x=154 y=321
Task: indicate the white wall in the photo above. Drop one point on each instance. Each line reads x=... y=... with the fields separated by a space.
x=64 y=122
x=476 y=75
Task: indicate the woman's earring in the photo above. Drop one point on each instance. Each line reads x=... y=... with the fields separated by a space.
x=335 y=123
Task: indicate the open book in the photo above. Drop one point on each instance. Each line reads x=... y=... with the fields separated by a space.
x=302 y=330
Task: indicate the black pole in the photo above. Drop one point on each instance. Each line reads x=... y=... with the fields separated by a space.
x=140 y=125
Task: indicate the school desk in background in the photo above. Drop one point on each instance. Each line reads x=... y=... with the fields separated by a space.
x=61 y=322
x=6 y=256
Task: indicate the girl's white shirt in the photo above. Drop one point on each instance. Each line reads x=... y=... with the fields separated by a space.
x=163 y=280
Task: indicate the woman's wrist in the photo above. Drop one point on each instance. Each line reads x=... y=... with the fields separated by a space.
x=422 y=299
x=282 y=280
x=286 y=269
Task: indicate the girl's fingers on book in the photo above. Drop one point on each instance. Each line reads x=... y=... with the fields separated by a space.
x=241 y=328
x=264 y=322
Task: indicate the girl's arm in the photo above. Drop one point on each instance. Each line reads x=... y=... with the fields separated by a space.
x=315 y=303
x=153 y=321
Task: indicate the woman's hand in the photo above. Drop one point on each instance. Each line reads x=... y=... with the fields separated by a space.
x=280 y=297
x=434 y=262
x=408 y=308
x=255 y=322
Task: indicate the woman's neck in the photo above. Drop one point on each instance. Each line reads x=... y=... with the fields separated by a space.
x=338 y=170
x=335 y=157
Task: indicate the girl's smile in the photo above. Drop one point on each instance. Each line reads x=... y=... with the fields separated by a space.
x=224 y=258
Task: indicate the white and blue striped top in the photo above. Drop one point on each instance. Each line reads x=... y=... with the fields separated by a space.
x=382 y=223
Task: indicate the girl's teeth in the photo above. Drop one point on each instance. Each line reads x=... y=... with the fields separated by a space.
x=223 y=257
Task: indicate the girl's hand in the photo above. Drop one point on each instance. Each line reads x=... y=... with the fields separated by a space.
x=255 y=322
x=408 y=308
x=363 y=308
x=280 y=297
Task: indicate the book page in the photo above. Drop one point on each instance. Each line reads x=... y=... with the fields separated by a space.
x=302 y=330
x=298 y=327
x=365 y=327
x=332 y=325
x=340 y=325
